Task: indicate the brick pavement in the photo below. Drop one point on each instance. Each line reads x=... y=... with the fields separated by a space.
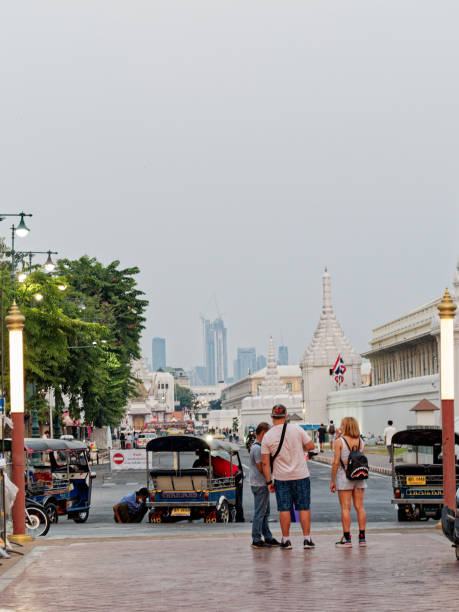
x=404 y=570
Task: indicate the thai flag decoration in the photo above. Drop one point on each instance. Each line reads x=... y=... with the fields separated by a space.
x=338 y=370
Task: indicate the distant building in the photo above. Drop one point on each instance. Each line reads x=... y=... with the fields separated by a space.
x=246 y=362
x=198 y=376
x=158 y=354
x=180 y=376
x=261 y=362
x=282 y=358
x=154 y=401
x=215 y=351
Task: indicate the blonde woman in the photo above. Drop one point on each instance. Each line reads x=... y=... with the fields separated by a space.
x=348 y=489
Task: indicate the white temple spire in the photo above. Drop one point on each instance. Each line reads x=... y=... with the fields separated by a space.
x=326 y=286
x=329 y=340
x=272 y=384
x=456 y=282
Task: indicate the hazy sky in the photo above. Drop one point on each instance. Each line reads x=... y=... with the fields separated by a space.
x=235 y=149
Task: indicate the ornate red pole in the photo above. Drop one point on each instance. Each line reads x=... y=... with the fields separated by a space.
x=446 y=310
x=15 y=324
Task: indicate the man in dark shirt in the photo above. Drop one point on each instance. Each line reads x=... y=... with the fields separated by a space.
x=322 y=431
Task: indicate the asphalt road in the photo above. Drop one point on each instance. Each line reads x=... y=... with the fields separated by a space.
x=109 y=488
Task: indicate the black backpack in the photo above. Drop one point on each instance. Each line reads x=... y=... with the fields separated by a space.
x=357 y=464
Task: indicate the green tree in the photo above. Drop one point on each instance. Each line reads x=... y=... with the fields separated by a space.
x=185 y=397
x=215 y=404
x=111 y=298
x=86 y=305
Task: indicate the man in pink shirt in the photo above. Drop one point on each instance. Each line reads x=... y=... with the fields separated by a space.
x=289 y=471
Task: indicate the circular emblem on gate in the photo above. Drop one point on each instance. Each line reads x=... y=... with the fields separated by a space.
x=118 y=458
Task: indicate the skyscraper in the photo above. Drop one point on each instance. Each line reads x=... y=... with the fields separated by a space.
x=246 y=362
x=261 y=362
x=158 y=353
x=215 y=350
x=282 y=358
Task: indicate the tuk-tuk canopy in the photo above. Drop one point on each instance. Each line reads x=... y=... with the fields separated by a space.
x=189 y=444
x=37 y=445
x=420 y=437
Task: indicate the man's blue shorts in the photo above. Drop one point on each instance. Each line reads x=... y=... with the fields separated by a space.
x=290 y=492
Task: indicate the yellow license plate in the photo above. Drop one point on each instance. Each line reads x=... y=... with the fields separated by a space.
x=415 y=480
x=181 y=512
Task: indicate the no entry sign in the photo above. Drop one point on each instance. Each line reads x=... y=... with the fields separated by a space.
x=131 y=459
x=118 y=458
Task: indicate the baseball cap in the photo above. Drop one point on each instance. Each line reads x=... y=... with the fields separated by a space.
x=279 y=411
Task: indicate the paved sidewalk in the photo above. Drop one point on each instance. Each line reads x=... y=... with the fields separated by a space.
x=404 y=570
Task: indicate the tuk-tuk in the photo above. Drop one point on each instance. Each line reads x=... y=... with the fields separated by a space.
x=417 y=474
x=59 y=477
x=195 y=478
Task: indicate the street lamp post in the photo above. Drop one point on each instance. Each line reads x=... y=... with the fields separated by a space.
x=446 y=310
x=15 y=324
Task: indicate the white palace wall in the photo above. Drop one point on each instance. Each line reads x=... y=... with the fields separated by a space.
x=374 y=406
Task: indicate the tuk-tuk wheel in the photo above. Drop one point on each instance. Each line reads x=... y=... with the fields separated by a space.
x=81 y=517
x=223 y=515
x=51 y=511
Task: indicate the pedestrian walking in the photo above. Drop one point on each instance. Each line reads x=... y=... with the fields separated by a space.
x=388 y=433
x=122 y=440
x=283 y=456
x=331 y=434
x=322 y=431
x=261 y=534
x=348 y=489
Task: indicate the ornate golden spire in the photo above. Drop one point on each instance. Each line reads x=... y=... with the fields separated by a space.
x=14 y=319
x=446 y=307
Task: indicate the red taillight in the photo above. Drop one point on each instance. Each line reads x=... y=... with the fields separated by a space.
x=397 y=493
x=206 y=496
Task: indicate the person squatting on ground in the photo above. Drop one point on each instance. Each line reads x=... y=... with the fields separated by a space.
x=348 y=489
x=132 y=508
x=283 y=458
x=261 y=534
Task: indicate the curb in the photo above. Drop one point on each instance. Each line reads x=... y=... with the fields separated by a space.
x=373 y=468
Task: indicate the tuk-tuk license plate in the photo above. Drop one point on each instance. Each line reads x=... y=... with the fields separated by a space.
x=415 y=480
x=180 y=512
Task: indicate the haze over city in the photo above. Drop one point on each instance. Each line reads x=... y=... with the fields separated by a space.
x=232 y=150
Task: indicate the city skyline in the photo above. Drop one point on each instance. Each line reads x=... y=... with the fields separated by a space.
x=239 y=178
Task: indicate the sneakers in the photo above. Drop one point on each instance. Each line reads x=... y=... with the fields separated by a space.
x=260 y=544
x=287 y=545
x=272 y=542
x=308 y=543
x=362 y=542
x=343 y=543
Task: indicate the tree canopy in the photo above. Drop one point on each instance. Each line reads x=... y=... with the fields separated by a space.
x=82 y=329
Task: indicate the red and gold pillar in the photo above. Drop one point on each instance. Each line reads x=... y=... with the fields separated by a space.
x=15 y=324
x=446 y=310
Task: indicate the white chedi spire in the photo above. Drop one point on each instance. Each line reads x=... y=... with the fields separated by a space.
x=329 y=340
x=456 y=282
x=272 y=384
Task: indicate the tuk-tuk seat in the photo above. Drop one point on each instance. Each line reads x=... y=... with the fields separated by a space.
x=191 y=479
